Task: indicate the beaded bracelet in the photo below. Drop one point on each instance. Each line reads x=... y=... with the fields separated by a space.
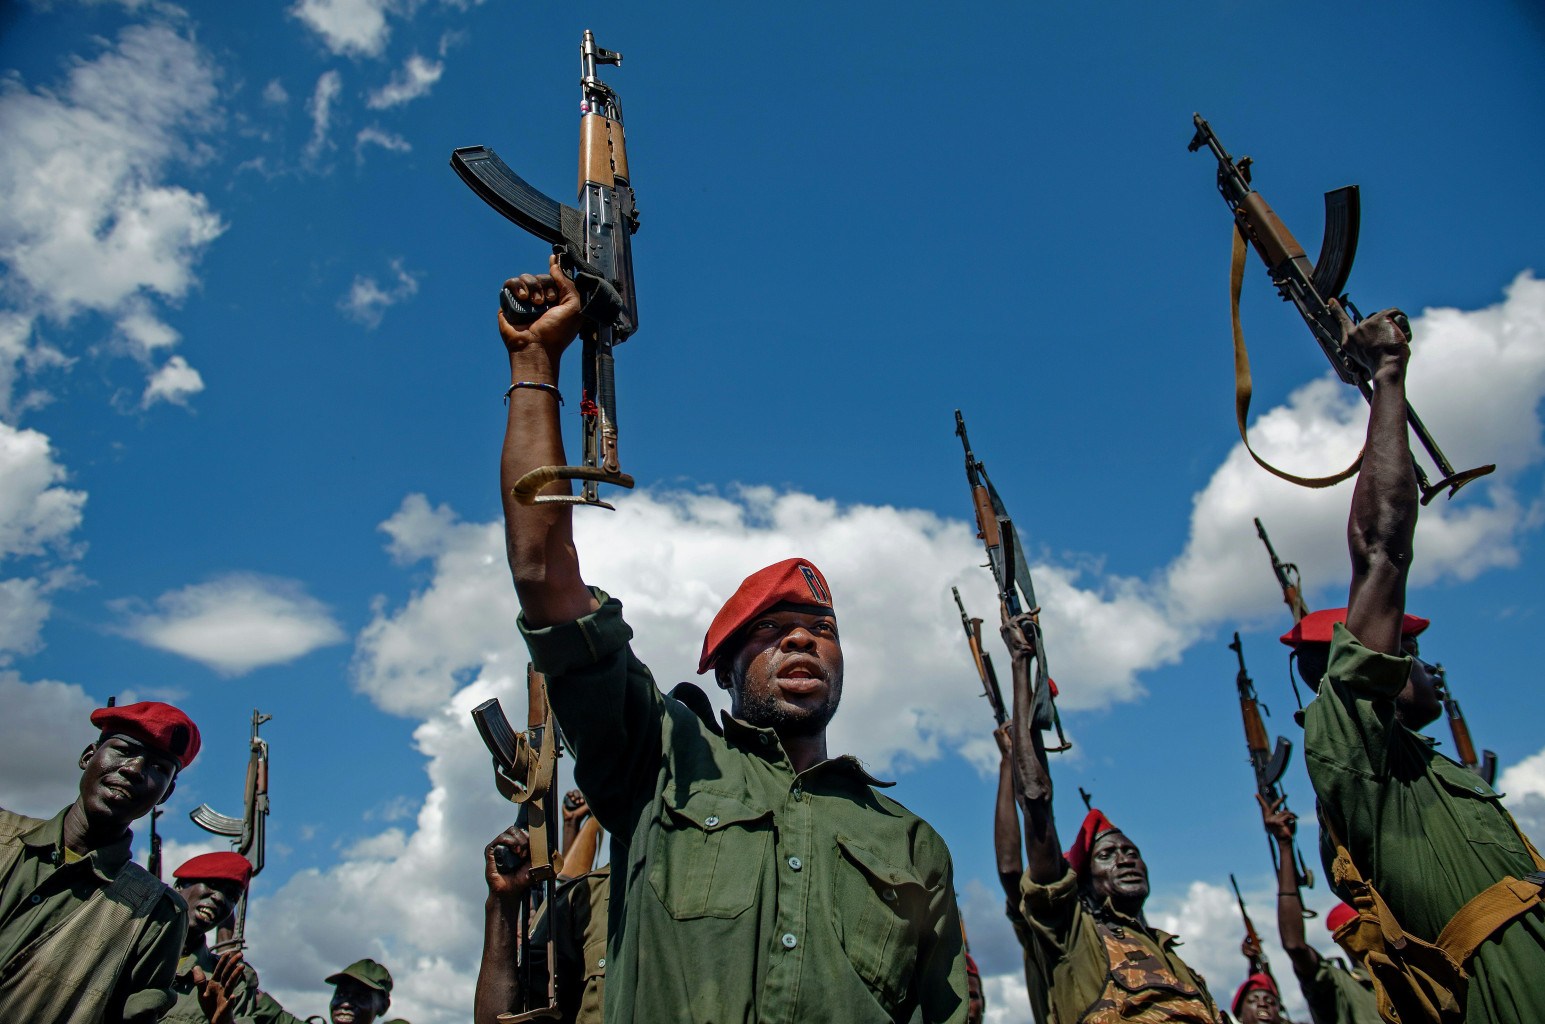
x=538 y=385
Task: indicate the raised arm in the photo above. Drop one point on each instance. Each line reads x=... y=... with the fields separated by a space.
x=1281 y=824
x=1005 y=823
x=539 y=539
x=1043 y=851
x=581 y=835
x=1384 y=502
x=498 y=976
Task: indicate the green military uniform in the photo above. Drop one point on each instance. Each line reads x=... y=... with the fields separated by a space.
x=267 y=1010
x=1110 y=969
x=1033 y=983
x=82 y=939
x=187 y=1009
x=1338 y=996
x=1427 y=833
x=582 y=907
x=746 y=891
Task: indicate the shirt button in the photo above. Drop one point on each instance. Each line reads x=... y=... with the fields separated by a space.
x=796 y=863
x=36 y=899
x=711 y=821
x=889 y=895
x=761 y=738
x=601 y=962
x=789 y=941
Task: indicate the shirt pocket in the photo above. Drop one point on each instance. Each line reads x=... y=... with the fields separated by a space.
x=880 y=911
x=1477 y=809
x=708 y=854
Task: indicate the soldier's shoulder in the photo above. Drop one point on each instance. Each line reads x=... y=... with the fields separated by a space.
x=927 y=847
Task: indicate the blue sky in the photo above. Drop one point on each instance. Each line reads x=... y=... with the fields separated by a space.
x=249 y=385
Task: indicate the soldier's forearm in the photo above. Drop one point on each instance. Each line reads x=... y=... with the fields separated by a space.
x=1290 y=905
x=498 y=979
x=1383 y=519
x=1005 y=831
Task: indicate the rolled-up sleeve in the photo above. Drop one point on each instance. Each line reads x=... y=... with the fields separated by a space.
x=608 y=707
x=1348 y=724
x=1049 y=910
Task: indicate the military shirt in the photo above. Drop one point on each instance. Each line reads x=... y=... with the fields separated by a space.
x=742 y=890
x=1033 y=984
x=1338 y=996
x=582 y=907
x=1074 y=957
x=187 y=1009
x=1424 y=831
x=47 y=884
x=266 y=1010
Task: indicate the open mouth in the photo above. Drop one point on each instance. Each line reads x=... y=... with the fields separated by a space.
x=117 y=793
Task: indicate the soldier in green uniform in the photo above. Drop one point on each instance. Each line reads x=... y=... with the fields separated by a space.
x=580 y=907
x=1006 y=833
x=86 y=935
x=1100 y=961
x=1335 y=994
x=1257 y=1001
x=754 y=876
x=211 y=990
x=1422 y=835
x=362 y=992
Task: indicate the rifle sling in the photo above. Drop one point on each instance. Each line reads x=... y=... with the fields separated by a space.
x=1243 y=387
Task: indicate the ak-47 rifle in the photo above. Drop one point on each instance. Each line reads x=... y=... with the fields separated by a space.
x=153 y=862
x=524 y=769
x=1269 y=763
x=1258 y=963
x=594 y=242
x=1016 y=591
x=1312 y=286
x=247 y=833
x=1287 y=577
x=983 y=660
x=1088 y=798
x=1486 y=765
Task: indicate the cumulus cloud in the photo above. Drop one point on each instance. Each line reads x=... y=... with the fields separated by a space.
x=38 y=518
x=233 y=624
x=367 y=300
x=375 y=135
x=45 y=727
x=355 y=28
x=320 y=107
x=414 y=79
x=1523 y=788
x=174 y=382
x=90 y=222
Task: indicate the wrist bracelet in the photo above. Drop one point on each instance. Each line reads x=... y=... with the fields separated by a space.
x=538 y=385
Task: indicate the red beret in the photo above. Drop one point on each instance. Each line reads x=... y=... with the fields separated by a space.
x=1253 y=982
x=1316 y=627
x=154 y=724
x=220 y=867
x=1339 y=915
x=971 y=967
x=795 y=580
x=1095 y=825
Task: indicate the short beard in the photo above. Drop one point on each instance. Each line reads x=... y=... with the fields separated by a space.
x=767 y=713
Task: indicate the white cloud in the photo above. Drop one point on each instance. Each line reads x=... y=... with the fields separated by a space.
x=375 y=135
x=1006 y=998
x=320 y=107
x=1523 y=787
x=414 y=79
x=90 y=222
x=367 y=301
x=42 y=732
x=234 y=624
x=38 y=517
x=275 y=94
x=356 y=28
x=175 y=382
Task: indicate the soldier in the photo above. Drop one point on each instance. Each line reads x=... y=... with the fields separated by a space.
x=976 y=1002
x=1011 y=868
x=1334 y=994
x=1257 y=1001
x=1409 y=837
x=86 y=935
x=1100 y=961
x=362 y=992
x=739 y=843
x=211 y=990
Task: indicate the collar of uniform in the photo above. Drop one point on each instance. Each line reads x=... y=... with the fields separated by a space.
x=759 y=739
x=1116 y=917
x=48 y=839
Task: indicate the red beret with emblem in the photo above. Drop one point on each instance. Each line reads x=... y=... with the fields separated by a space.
x=216 y=867
x=157 y=725
x=1317 y=627
x=1255 y=981
x=1339 y=915
x=1095 y=825
x=793 y=580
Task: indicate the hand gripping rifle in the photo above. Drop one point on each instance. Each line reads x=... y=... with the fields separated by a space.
x=1310 y=287
x=247 y=833
x=1016 y=591
x=983 y=660
x=1287 y=577
x=1258 y=963
x=524 y=767
x=1486 y=765
x=594 y=242
x=1269 y=763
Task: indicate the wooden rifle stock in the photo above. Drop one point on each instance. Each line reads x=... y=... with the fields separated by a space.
x=1287 y=577
x=1485 y=764
x=1269 y=762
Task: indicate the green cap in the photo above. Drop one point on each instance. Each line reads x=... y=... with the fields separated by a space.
x=367 y=972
